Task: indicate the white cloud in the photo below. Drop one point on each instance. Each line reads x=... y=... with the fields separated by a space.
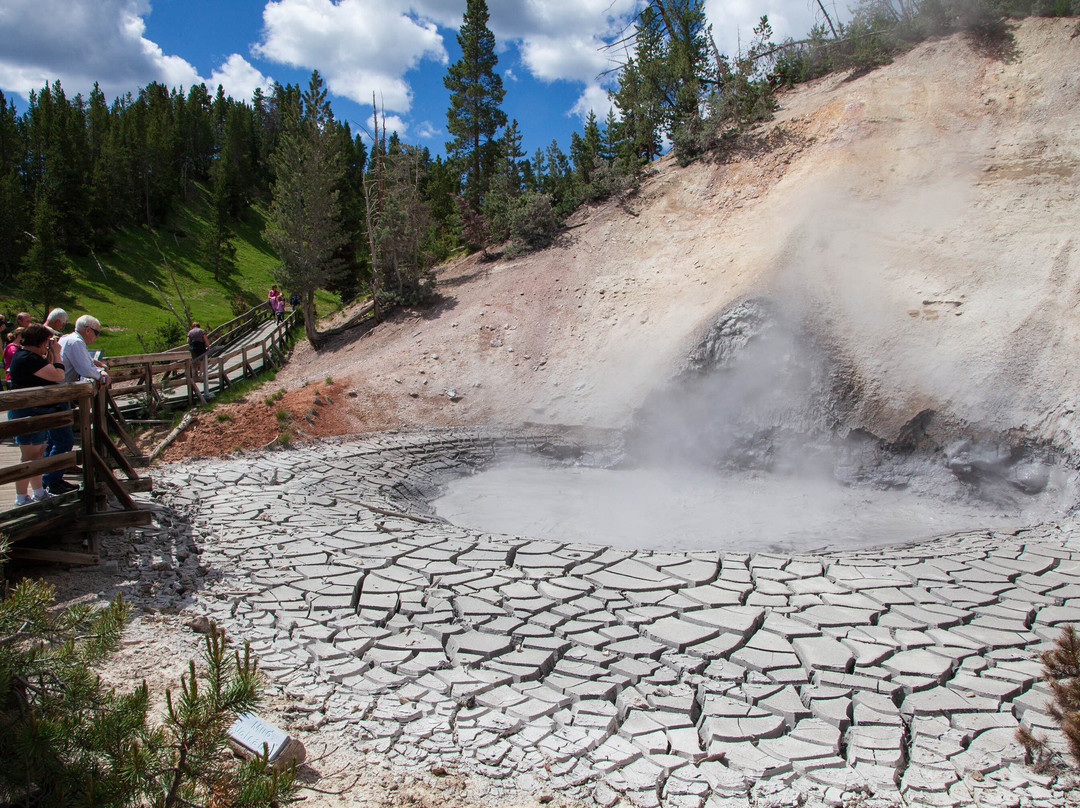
x=387 y=125
x=359 y=46
x=514 y=19
x=83 y=41
x=572 y=58
x=80 y=42
x=594 y=98
x=239 y=78
x=733 y=21
x=447 y=13
x=425 y=130
x=557 y=39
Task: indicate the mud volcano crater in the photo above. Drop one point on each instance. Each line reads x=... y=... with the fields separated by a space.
x=756 y=445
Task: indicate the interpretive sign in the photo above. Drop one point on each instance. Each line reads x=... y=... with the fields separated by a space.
x=252 y=736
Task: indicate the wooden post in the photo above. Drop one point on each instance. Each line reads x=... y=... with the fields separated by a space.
x=86 y=441
x=148 y=381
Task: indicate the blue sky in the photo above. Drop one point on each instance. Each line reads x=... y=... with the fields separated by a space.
x=550 y=51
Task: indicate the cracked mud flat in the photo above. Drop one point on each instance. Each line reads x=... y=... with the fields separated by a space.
x=690 y=509
x=528 y=668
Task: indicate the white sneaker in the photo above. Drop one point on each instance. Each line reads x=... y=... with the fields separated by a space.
x=22 y=499
x=44 y=495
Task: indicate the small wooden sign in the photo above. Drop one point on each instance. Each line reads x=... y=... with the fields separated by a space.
x=251 y=736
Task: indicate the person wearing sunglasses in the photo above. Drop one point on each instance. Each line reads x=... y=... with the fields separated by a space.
x=78 y=364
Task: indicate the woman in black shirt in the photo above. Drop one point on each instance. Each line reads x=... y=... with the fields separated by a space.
x=35 y=364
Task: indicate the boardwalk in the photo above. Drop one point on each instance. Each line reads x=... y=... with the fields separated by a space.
x=153 y=383
x=149 y=383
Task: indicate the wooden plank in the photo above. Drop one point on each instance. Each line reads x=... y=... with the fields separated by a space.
x=114 y=421
x=43 y=396
x=140 y=485
x=112 y=451
x=173 y=384
x=113 y=520
x=31 y=520
x=140 y=359
x=35 y=423
x=32 y=468
x=49 y=556
x=86 y=438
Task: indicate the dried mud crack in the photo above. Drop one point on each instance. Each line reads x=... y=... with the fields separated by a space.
x=530 y=667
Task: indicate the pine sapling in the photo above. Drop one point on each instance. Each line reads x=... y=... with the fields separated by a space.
x=1061 y=671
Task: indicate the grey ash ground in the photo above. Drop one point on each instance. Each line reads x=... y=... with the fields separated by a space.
x=891 y=676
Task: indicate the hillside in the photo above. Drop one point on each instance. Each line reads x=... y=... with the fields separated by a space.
x=922 y=217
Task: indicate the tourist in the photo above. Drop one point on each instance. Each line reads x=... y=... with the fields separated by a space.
x=35 y=364
x=78 y=364
x=199 y=345
x=9 y=351
x=278 y=305
x=75 y=353
x=23 y=319
x=60 y=440
x=57 y=321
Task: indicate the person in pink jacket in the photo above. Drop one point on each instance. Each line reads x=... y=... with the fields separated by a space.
x=9 y=351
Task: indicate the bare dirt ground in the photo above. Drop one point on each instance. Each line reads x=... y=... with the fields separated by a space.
x=925 y=213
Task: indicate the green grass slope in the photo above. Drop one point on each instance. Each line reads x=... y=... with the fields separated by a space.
x=131 y=287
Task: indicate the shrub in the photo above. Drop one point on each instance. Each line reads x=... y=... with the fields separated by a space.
x=167 y=335
x=65 y=740
x=238 y=304
x=533 y=223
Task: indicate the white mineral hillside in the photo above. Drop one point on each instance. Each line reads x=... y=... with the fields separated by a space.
x=925 y=213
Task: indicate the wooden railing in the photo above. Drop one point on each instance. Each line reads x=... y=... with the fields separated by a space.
x=239 y=327
x=153 y=382
x=63 y=528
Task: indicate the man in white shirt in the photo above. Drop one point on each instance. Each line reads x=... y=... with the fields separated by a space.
x=74 y=353
x=78 y=364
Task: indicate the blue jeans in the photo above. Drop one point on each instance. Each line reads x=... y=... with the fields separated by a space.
x=57 y=441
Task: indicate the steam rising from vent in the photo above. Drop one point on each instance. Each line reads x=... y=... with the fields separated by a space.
x=756 y=393
x=762 y=392
x=751 y=446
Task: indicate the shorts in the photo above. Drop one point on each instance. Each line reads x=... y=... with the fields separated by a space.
x=30 y=438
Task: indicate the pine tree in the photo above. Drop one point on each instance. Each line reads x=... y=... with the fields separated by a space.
x=661 y=89
x=217 y=248
x=476 y=92
x=585 y=149
x=13 y=212
x=505 y=187
x=304 y=223
x=46 y=271
x=639 y=127
x=609 y=141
